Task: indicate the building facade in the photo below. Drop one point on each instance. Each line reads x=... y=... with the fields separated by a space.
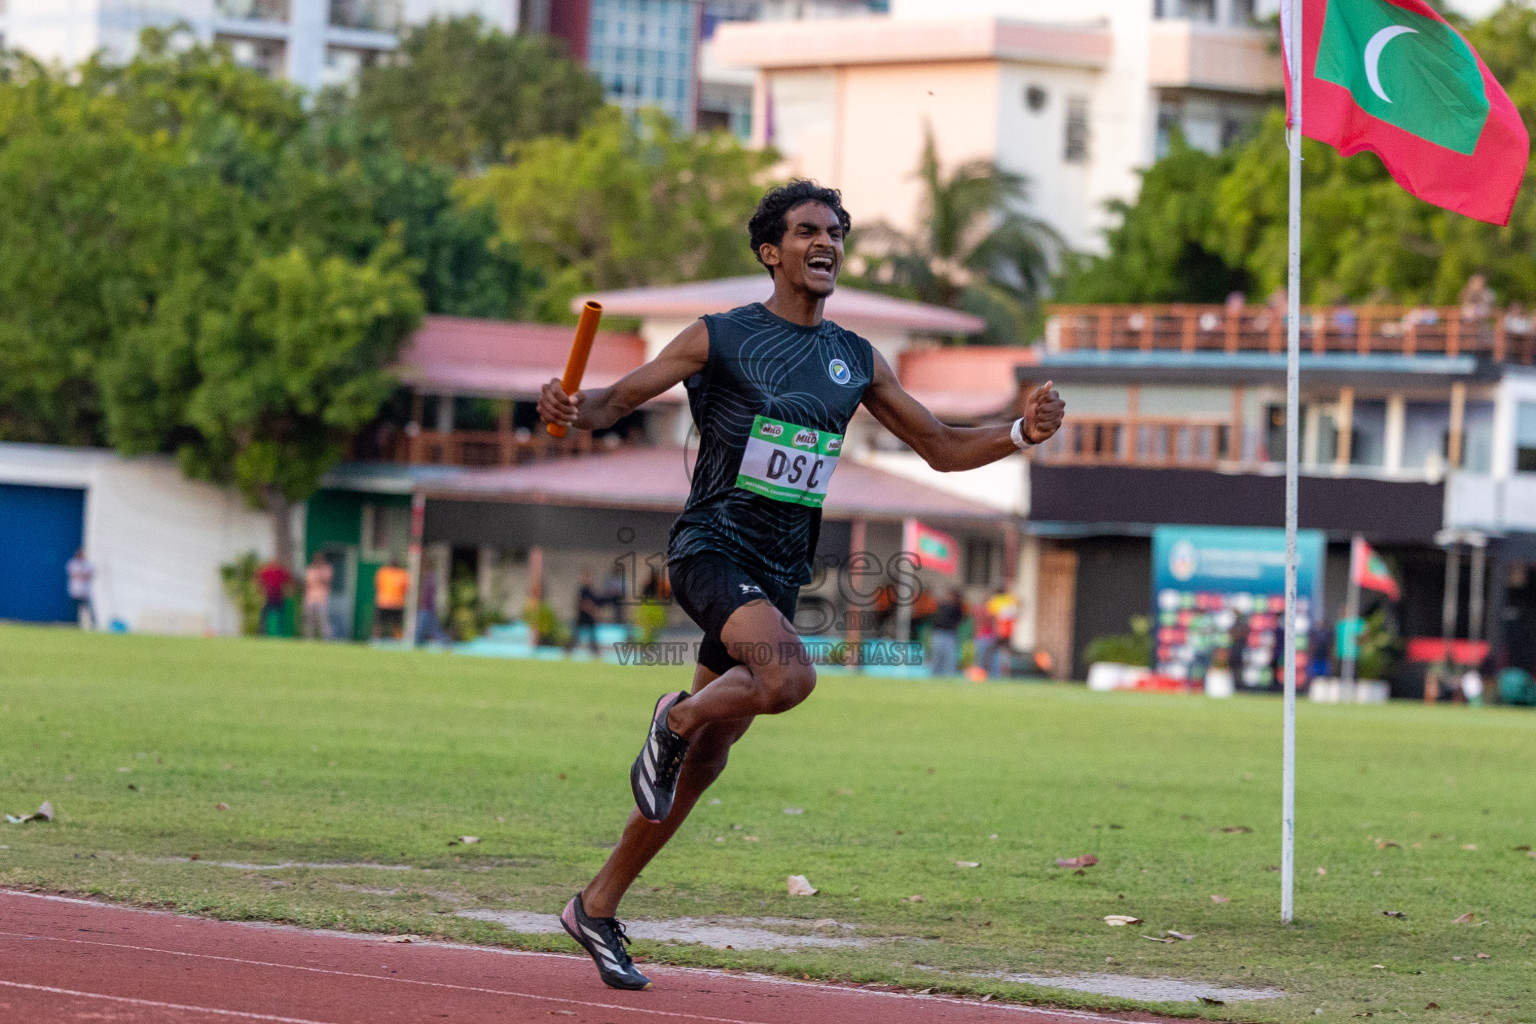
x=1077 y=98
x=312 y=43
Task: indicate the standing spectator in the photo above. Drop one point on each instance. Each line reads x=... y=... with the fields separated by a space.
x=317 y=598
x=1476 y=298
x=390 y=586
x=429 y=628
x=588 y=603
x=1004 y=608
x=986 y=640
x=944 y=640
x=82 y=576
x=274 y=580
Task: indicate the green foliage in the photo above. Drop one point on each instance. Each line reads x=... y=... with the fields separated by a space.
x=1379 y=647
x=239 y=578
x=1133 y=648
x=624 y=204
x=459 y=94
x=191 y=262
x=264 y=389
x=973 y=250
x=1158 y=251
x=547 y=623
x=1202 y=220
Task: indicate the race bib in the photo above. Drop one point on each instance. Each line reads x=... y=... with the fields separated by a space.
x=789 y=463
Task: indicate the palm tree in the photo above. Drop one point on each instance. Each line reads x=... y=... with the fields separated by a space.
x=974 y=249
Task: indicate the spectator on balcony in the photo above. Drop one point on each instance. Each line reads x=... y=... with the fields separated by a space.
x=1476 y=298
x=1236 y=305
x=1516 y=320
x=1422 y=315
x=1345 y=320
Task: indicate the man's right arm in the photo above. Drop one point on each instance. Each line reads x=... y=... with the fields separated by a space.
x=683 y=357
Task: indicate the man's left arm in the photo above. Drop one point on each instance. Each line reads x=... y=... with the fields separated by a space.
x=947 y=448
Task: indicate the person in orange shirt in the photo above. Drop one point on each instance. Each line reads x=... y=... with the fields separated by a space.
x=390 y=585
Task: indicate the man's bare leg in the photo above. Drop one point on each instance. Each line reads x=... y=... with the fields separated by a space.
x=774 y=675
x=772 y=678
x=642 y=840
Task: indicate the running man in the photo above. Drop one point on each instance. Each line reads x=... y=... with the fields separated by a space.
x=771 y=387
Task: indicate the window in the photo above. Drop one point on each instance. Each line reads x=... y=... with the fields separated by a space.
x=256 y=10
x=1035 y=97
x=1525 y=437
x=1197 y=10
x=1242 y=13
x=264 y=55
x=372 y=15
x=979 y=555
x=386 y=531
x=1075 y=148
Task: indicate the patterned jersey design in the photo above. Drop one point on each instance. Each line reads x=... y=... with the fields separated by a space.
x=761 y=365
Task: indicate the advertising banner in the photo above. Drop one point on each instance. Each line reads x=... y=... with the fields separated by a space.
x=1218 y=596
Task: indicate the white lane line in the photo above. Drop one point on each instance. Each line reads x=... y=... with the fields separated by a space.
x=766 y=979
x=157 y=1004
x=618 y=1007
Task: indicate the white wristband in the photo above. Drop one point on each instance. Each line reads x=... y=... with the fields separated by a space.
x=1017 y=433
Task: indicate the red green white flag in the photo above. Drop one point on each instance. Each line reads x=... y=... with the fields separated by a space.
x=934 y=549
x=1392 y=77
x=1371 y=572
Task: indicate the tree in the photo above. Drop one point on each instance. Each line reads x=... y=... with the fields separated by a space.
x=265 y=390
x=1158 y=251
x=192 y=263
x=974 y=250
x=624 y=204
x=459 y=94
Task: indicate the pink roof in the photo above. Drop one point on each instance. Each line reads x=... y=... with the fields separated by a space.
x=499 y=358
x=969 y=382
x=840 y=42
x=848 y=306
x=657 y=478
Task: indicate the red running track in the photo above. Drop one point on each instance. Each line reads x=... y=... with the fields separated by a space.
x=64 y=961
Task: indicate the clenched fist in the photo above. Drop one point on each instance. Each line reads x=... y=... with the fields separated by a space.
x=555 y=406
x=1042 y=413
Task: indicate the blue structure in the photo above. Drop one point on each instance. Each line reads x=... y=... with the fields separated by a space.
x=40 y=529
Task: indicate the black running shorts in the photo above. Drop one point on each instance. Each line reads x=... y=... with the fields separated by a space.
x=710 y=587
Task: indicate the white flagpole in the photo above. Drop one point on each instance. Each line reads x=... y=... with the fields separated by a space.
x=1294 y=53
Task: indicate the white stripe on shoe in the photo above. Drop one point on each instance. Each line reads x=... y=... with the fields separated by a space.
x=649 y=762
x=649 y=793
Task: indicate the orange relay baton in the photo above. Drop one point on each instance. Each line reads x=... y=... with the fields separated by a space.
x=576 y=365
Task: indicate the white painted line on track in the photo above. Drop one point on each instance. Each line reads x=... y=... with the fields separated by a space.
x=1084 y=1015
x=156 y=1004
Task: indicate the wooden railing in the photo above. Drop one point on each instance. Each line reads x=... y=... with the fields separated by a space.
x=1144 y=441
x=1356 y=330
x=480 y=448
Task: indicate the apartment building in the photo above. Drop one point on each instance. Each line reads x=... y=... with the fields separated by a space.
x=313 y=43
x=1076 y=97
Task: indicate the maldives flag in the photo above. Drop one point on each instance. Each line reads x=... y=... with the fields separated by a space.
x=1371 y=570
x=1392 y=77
x=934 y=549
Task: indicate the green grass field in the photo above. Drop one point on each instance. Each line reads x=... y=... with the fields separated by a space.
x=339 y=754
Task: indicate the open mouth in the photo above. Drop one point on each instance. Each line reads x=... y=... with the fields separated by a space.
x=821 y=262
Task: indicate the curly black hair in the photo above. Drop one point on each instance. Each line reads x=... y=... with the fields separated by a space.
x=768 y=224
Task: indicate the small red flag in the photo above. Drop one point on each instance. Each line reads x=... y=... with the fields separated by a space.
x=1371 y=570
x=934 y=549
x=1394 y=77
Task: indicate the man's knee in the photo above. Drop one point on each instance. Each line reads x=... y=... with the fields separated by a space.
x=787 y=685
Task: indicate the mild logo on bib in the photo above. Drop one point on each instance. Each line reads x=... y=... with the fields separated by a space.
x=788 y=462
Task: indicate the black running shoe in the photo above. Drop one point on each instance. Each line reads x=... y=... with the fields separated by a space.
x=654 y=774
x=604 y=939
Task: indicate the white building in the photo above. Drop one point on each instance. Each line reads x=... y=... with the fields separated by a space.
x=155 y=538
x=313 y=43
x=1077 y=97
